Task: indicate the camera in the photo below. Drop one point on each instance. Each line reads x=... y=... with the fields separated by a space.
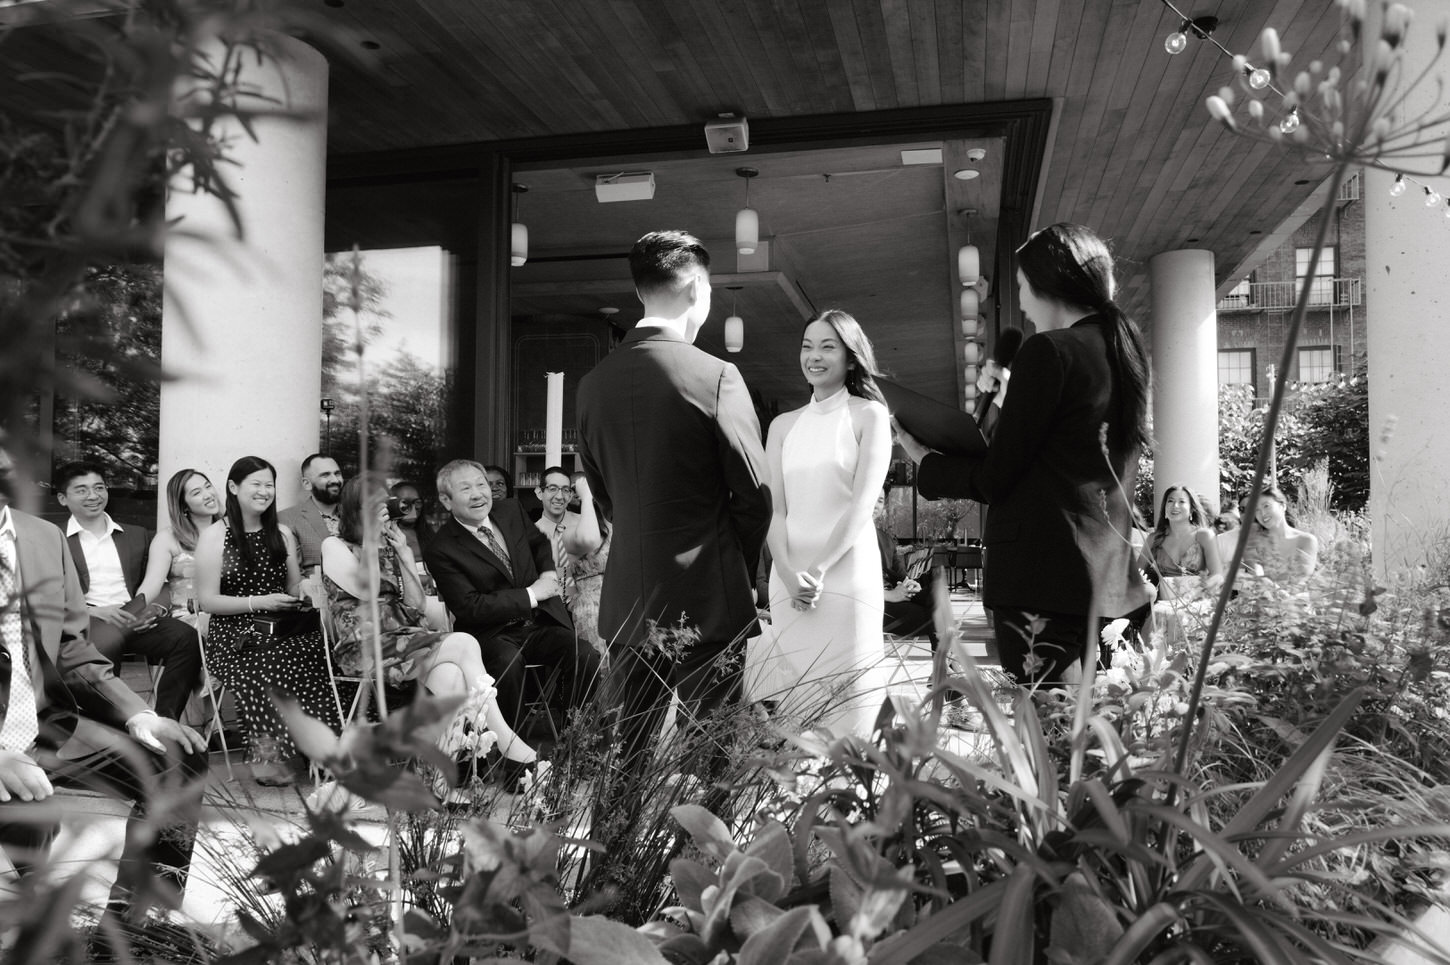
x=395 y=508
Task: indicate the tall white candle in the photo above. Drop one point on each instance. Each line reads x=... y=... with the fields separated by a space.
x=554 y=421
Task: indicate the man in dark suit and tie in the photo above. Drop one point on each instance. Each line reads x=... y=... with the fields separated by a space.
x=495 y=571
x=65 y=718
x=671 y=446
x=111 y=562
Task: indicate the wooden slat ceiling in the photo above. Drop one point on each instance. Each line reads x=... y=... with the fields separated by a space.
x=1134 y=153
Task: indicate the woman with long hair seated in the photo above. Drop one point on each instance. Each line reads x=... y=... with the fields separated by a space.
x=586 y=544
x=193 y=505
x=1180 y=555
x=445 y=663
x=1276 y=549
x=246 y=568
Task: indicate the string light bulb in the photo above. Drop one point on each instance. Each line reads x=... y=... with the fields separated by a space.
x=1289 y=123
x=1177 y=42
x=1398 y=188
x=1258 y=77
x=1200 y=27
x=1432 y=197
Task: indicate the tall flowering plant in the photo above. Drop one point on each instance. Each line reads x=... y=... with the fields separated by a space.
x=1359 y=113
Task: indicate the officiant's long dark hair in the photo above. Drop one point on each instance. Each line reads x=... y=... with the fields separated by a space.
x=861 y=370
x=1070 y=264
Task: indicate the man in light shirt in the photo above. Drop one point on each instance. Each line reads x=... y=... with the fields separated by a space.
x=315 y=517
x=111 y=564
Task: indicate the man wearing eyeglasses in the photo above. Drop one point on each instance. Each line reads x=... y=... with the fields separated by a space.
x=555 y=492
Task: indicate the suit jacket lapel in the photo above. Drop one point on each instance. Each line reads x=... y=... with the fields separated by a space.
x=473 y=544
x=78 y=555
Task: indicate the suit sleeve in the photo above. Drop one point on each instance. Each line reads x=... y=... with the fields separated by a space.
x=743 y=461
x=458 y=579
x=1022 y=429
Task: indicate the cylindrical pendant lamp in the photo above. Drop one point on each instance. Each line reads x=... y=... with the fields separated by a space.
x=973 y=352
x=518 y=244
x=969 y=264
x=747 y=222
x=971 y=304
x=734 y=333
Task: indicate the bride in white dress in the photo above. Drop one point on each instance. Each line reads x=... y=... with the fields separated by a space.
x=827 y=462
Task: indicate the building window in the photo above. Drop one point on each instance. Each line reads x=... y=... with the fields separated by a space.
x=1321 y=292
x=1240 y=295
x=1316 y=363
x=1236 y=366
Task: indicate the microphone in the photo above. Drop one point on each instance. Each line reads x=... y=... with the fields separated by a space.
x=1009 y=340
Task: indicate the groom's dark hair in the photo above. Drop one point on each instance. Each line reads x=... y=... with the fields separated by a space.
x=661 y=260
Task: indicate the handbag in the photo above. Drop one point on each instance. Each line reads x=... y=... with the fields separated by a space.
x=291 y=623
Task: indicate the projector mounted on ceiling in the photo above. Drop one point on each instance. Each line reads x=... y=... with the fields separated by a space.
x=625 y=187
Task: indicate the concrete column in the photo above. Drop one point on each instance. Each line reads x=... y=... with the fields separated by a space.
x=1407 y=306
x=242 y=321
x=1185 y=373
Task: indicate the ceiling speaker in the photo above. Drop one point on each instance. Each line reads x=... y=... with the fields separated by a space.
x=727 y=135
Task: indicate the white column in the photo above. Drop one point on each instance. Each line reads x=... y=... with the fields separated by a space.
x=1407 y=300
x=242 y=322
x=1185 y=373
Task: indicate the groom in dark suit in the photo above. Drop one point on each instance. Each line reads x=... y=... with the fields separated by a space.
x=671 y=446
x=495 y=571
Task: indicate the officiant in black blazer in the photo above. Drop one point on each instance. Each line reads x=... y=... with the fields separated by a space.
x=495 y=571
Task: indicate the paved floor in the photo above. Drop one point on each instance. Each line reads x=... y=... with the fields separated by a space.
x=236 y=807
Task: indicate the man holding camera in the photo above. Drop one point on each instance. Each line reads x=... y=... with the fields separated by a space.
x=111 y=563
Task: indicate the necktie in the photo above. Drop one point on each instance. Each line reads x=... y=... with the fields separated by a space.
x=21 y=725
x=561 y=563
x=496 y=547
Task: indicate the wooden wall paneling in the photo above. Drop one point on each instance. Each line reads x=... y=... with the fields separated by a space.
x=571 y=46
x=951 y=57
x=924 y=51
x=1060 y=58
x=1069 y=149
x=892 y=22
x=813 y=90
x=736 y=58
x=974 y=51
x=994 y=69
x=1020 y=27
x=1139 y=75
x=768 y=55
x=847 y=31
x=611 y=57
x=1040 y=50
x=693 y=63
x=844 y=85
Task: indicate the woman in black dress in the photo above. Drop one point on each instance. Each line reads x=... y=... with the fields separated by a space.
x=1059 y=474
x=245 y=567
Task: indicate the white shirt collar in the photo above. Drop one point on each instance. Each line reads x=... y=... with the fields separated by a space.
x=74 y=526
x=7 y=523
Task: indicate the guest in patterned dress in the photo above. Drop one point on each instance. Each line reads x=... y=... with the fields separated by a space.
x=446 y=663
x=586 y=545
x=193 y=505
x=246 y=567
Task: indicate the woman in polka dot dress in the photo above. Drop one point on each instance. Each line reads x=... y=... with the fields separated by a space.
x=245 y=567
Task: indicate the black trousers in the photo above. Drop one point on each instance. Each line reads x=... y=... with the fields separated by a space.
x=642 y=680
x=573 y=662
x=1037 y=646
x=168 y=642
x=155 y=859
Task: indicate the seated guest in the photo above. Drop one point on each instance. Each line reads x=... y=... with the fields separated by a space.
x=315 y=517
x=494 y=570
x=555 y=492
x=192 y=504
x=1181 y=545
x=586 y=548
x=65 y=718
x=500 y=481
x=1276 y=550
x=414 y=525
x=246 y=567
x=111 y=564
x=448 y=665
x=908 y=603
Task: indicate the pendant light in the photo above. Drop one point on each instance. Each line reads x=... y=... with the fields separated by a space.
x=747 y=222
x=969 y=259
x=518 y=231
x=734 y=325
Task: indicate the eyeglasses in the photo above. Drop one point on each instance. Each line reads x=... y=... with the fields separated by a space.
x=558 y=490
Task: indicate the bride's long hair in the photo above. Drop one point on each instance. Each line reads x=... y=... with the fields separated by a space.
x=861 y=370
